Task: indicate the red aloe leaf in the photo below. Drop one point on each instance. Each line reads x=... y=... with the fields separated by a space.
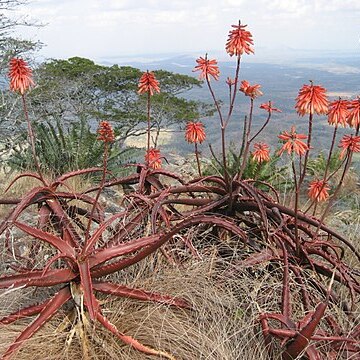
x=48 y=311
x=132 y=179
x=316 y=223
x=340 y=276
x=26 y=174
x=200 y=219
x=266 y=334
x=122 y=249
x=139 y=294
x=23 y=313
x=85 y=198
x=71 y=174
x=279 y=317
x=334 y=338
x=258 y=258
x=168 y=174
x=191 y=201
x=73 y=238
x=212 y=178
x=285 y=299
x=313 y=353
x=51 y=239
x=35 y=195
x=37 y=278
x=156 y=183
x=303 y=337
x=157 y=208
x=122 y=230
x=283 y=333
x=88 y=248
x=44 y=215
x=254 y=193
x=130 y=340
x=86 y=284
x=207 y=207
x=186 y=189
x=143 y=174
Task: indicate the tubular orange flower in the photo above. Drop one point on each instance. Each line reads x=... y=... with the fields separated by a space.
x=250 y=90
x=208 y=68
x=269 y=108
x=195 y=132
x=312 y=99
x=20 y=75
x=148 y=83
x=239 y=41
x=105 y=132
x=349 y=143
x=293 y=142
x=338 y=112
x=318 y=190
x=354 y=113
x=153 y=158
x=261 y=152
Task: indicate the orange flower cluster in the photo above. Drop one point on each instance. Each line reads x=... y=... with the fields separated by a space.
x=250 y=90
x=148 y=83
x=261 y=152
x=318 y=190
x=153 y=158
x=354 y=113
x=239 y=41
x=349 y=143
x=312 y=99
x=194 y=132
x=338 y=112
x=207 y=68
x=293 y=142
x=105 y=132
x=269 y=108
x=20 y=75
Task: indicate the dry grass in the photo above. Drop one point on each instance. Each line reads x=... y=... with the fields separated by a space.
x=219 y=326
x=223 y=324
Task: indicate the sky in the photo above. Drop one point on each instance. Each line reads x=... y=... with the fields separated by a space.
x=100 y=29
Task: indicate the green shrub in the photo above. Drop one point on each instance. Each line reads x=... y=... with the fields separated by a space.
x=62 y=150
x=270 y=171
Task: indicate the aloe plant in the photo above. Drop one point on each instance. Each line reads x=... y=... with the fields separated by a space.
x=84 y=247
x=62 y=150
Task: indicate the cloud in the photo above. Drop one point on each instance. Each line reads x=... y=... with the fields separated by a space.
x=110 y=26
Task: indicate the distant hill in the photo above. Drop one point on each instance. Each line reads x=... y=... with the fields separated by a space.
x=280 y=83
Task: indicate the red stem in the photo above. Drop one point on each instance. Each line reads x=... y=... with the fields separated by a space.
x=326 y=171
x=32 y=139
x=302 y=176
x=223 y=128
x=197 y=159
x=232 y=101
x=148 y=127
x=247 y=140
x=296 y=208
x=101 y=186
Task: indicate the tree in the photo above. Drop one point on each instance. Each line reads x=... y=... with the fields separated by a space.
x=77 y=87
x=11 y=46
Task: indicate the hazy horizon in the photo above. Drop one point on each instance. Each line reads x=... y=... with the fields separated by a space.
x=102 y=29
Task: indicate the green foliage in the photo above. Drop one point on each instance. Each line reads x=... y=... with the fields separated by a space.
x=61 y=151
x=268 y=171
x=317 y=165
x=77 y=87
